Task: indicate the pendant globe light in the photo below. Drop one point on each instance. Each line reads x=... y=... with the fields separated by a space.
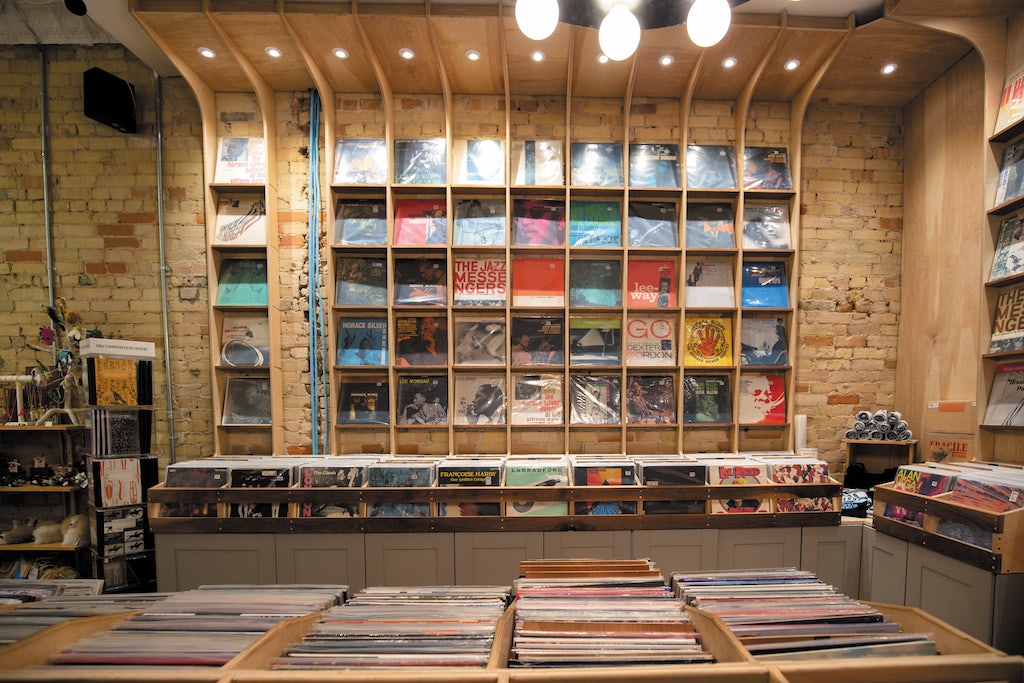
x=619 y=34
x=708 y=21
x=537 y=19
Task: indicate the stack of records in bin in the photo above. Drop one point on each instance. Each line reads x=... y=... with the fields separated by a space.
x=31 y=617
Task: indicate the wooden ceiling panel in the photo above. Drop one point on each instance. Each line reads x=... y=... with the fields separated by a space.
x=457 y=34
x=953 y=8
x=252 y=33
x=183 y=33
x=387 y=34
x=652 y=79
x=321 y=34
x=527 y=77
x=591 y=78
x=810 y=47
x=746 y=43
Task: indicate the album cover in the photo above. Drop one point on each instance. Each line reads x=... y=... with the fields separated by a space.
x=363 y=399
x=537 y=340
x=672 y=472
x=1011 y=102
x=421 y=222
x=402 y=474
x=595 y=340
x=595 y=399
x=594 y=223
x=653 y=165
x=480 y=162
x=245 y=341
x=361 y=162
x=651 y=340
x=241 y=220
x=538 y=281
x=1006 y=398
x=122 y=481
x=738 y=472
x=112 y=381
x=762 y=399
x=480 y=222
x=242 y=282
x=603 y=472
x=479 y=281
x=710 y=167
x=536 y=471
x=122 y=531
x=479 y=399
x=241 y=161
x=421 y=282
x=362 y=340
x=597 y=164
x=421 y=162
x=538 y=222
x=421 y=340
x=246 y=401
x=479 y=341
x=199 y=474
x=766 y=226
x=709 y=284
x=361 y=222
x=650 y=283
x=766 y=168
x=763 y=341
x=537 y=400
x=650 y=399
x=538 y=162
x=423 y=400
x=652 y=224
x=764 y=284
x=706 y=399
x=595 y=282
x=470 y=472
x=710 y=226
x=260 y=473
x=361 y=281
x=332 y=473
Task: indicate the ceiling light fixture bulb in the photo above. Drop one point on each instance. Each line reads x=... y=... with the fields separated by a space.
x=206 y=52
x=340 y=53
x=473 y=55
x=729 y=62
x=602 y=58
x=708 y=21
x=273 y=52
x=666 y=60
x=406 y=53
x=888 y=69
x=537 y=19
x=537 y=56
x=791 y=65
x=619 y=34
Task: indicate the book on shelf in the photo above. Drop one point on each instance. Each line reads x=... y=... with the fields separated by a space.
x=764 y=284
x=710 y=226
x=766 y=226
x=478 y=340
x=361 y=162
x=766 y=168
x=650 y=399
x=710 y=167
x=480 y=222
x=595 y=282
x=595 y=399
x=421 y=161
x=362 y=340
x=241 y=220
x=479 y=162
x=538 y=281
x=421 y=340
x=361 y=281
x=1008 y=258
x=652 y=224
x=762 y=399
x=653 y=165
x=707 y=341
x=923 y=480
x=479 y=399
x=241 y=161
x=423 y=399
x=738 y=471
x=246 y=401
x=538 y=162
x=537 y=340
x=538 y=222
x=421 y=222
x=479 y=280
x=536 y=399
x=421 y=281
x=523 y=471
x=651 y=283
x=112 y=381
x=245 y=341
x=360 y=222
x=242 y=282
x=400 y=474
x=596 y=164
x=595 y=223
x=763 y=341
x=651 y=340
x=706 y=399
x=709 y=284
x=595 y=340
x=1011 y=102
x=363 y=399
x=1011 y=173
x=1008 y=324
x=1006 y=398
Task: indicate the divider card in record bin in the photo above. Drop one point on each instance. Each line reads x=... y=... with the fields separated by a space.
x=738 y=472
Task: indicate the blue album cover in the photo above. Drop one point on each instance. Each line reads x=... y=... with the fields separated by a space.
x=596 y=164
x=764 y=285
x=653 y=165
x=362 y=341
x=595 y=224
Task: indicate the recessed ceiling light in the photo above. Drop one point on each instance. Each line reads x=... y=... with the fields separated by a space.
x=729 y=62
x=406 y=53
x=473 y=55
x=206 y=52
x=666 y=60
x=340 y=53
x=272 y=51
x=888 y=69
x=537 y=56
x=791 y=65
x=602 y=58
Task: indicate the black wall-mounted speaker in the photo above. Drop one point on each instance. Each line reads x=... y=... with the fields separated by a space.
x=109 y=99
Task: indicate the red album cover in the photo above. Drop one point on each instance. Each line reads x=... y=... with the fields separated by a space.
x=650 y=284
